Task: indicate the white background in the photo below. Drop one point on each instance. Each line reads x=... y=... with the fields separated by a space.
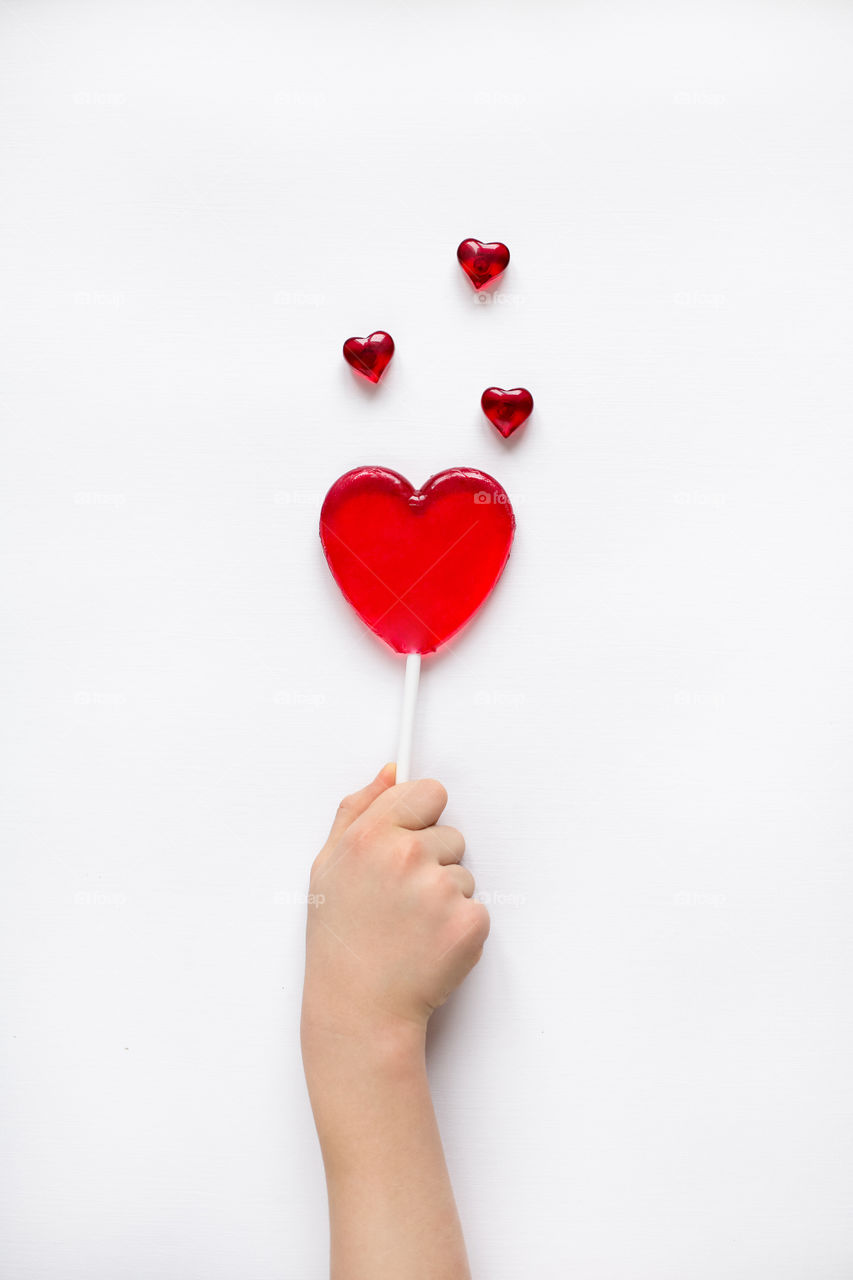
x=646 y=736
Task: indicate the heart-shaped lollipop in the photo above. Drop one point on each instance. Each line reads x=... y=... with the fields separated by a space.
x=507 y=410
x=416 y=564
x=482 y=263
x=370 y=356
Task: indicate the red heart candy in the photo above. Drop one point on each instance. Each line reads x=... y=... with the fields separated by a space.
x=482 y=263
x=370 y=356
x=506 y=410
x=416 y=564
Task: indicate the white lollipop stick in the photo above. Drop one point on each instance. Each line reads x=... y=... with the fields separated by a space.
x=407 y=716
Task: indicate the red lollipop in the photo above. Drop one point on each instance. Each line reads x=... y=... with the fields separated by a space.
x=416 y=564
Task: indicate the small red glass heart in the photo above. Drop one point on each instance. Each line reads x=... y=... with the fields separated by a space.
x=507 y=410
x=370 y=356
x=416 y=564
x=482 y=263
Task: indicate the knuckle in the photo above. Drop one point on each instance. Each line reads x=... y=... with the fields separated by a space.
x=435 y=790
x=364 y=837
x=481 y=922
x=456 y=838
x=446 y=884
x=348 y=805
x=409 y=848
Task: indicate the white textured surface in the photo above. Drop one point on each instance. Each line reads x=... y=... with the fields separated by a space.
x=646 y=739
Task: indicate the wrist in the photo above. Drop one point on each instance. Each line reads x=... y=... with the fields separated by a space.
x=357 y=1074
x=355 y=1041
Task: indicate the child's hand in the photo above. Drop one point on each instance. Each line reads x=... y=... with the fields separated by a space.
x=392 y=927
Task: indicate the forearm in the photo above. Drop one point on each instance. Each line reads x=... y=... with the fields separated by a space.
x=392 y=931
x=391 y=1207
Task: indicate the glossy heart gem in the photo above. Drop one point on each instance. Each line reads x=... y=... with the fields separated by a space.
x=506 y=410
x=416 y=564
x=370 y=356
x=482 y=263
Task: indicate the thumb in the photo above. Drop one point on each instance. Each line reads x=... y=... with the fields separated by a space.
x=352 y=807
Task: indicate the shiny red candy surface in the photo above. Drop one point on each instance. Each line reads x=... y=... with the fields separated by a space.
x=370 y=356
x=482 y=263
x=416 y=564
x=507 y=410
